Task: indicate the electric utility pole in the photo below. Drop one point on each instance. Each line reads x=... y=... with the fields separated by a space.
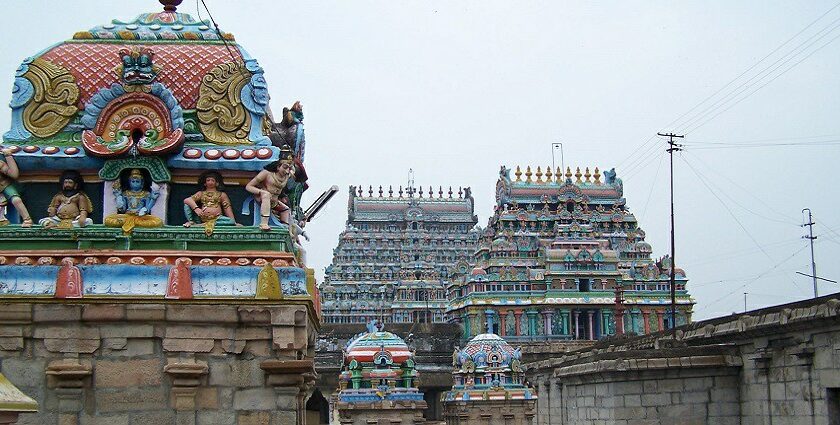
x=811 y=238
x=672 y=147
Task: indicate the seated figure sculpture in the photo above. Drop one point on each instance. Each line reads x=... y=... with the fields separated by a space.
x=70 y=207
x=8 y=173
x=270 y=191
x=210 y=206
x=134 y=204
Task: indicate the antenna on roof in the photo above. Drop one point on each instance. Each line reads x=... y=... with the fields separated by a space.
x=410 y=186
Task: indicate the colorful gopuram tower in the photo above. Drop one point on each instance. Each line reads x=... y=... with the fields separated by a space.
x=397 y=255
x=563 y=258
x=378 y=383
x=150 y=266
x=490 y=385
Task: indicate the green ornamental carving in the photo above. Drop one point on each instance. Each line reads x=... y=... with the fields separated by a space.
x=112 y=168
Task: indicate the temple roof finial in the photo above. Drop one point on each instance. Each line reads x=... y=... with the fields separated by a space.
x=170 y=5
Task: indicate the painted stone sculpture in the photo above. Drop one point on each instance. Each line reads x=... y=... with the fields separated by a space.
x=8 y=173
x=210 y=206
x=119 y=103
x=68 y=283
x=290 y=130
x=134 y=203
x=70 y=207
x=232 y=105
x=44 y=99
x=269 y=188
x=136 y=116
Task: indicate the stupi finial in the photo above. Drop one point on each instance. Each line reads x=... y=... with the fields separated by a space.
x=170 y=5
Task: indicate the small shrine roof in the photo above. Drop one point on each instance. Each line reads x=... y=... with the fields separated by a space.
x=365 y=347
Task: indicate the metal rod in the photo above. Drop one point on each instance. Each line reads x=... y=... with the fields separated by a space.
x=820 y=278
x=562 y=160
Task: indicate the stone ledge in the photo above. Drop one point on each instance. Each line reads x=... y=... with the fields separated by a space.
x=628 y=365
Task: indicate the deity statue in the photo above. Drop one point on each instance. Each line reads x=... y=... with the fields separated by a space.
x=134 y=204
x=210 y=206
x=70 y=207
x=289 y=131
x=269 y=188
x=8 y=173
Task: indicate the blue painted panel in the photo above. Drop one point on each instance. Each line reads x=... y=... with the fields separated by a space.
x=28 y=280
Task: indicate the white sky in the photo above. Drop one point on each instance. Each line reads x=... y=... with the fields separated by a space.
x=454 y=89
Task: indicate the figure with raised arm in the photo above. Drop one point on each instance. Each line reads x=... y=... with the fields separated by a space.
x=210 y=206
x=269 y=188
x=8 y=174
x=70 y=207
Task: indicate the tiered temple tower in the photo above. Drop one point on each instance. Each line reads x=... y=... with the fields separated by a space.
x=564 y=258
x=150 y=245
x=398 y=253
x=490 y=385
x=378 y=383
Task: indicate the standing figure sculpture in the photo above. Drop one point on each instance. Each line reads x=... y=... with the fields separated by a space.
x=210 y=206
x=8 y=173
x=70 y=207
x=270 y=191
x=134 y=204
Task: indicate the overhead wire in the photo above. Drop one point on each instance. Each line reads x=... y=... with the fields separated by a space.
x=759 y=276
x=726 y=207
x=739 y=253
x=232 y=56
x=706 y=182
x=764 y=73
x=695 y=127
x=652 y=185
x=787 y=219
x=779 y=47
x=635 y=155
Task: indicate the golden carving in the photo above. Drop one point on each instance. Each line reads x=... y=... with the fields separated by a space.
x=222 y=117
x=268 y=284
x=55 y=100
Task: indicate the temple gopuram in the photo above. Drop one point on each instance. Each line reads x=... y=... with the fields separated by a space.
x=563 y=258
x=151 y=267
x=397 y=255
x=489 y=385
x=378 y=383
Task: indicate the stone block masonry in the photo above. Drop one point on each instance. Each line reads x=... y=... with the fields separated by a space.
x=151 y=362
x=779 y=365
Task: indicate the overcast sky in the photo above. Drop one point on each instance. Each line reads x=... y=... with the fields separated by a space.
x=454 y=89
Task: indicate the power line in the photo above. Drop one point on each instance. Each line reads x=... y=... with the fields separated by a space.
x=741 y=252
x=750 y=193
x=707 y=146
x=776 y=265
x=645 y=144
x=774 y=139
x=766 y=72
x=756 y=64
x=652 y=185
x=709 y=185
x=768 y=82
x=726 y=207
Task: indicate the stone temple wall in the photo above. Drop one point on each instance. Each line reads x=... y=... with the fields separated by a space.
x=779 y=365
x=150 y=363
